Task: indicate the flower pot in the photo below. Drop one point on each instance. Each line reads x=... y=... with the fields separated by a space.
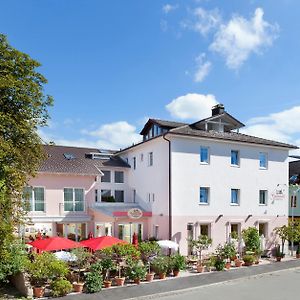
x=107 y=283
x=297 y=255
x=257 y=262
x=278 y=258
x=228 y=265
x=137 y=280
x=120 y=281
x=248 y=263
x=78 y=287
x=237 y=263
x=150 y=276
x=162 y=275
x=38 y=291
x=176 y=273
x=200 y=268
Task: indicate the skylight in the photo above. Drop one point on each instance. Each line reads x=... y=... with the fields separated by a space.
x=69 y=156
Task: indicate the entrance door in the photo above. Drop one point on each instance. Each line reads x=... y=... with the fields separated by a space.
x=126 y=231
x=103 y=229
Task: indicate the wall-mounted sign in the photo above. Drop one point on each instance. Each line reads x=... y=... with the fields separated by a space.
x=135 y=213
x=279 y=193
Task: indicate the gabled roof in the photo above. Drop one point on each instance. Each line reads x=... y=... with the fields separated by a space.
x=57 y=161
x=161 y=123
x=190 y=130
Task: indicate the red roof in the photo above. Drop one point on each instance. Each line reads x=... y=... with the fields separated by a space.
x=54 y=243
x=101 y=242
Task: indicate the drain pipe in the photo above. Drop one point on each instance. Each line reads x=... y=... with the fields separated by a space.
x=170 y=194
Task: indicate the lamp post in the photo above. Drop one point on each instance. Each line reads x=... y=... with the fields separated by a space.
x=292 y=213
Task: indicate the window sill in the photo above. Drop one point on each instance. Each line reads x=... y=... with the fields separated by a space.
x=234 y=204
x=261 y=168
x=262 y=204
x=204 y=163
x=235 y=166
x=202 y=203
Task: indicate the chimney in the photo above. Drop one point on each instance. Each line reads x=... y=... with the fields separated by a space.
x=217 y=109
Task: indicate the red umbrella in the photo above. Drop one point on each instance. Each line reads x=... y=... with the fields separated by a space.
x=101 y=242
x=135 y=241
x=54 y=243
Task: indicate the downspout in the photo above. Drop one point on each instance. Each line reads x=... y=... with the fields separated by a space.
x=170 y=194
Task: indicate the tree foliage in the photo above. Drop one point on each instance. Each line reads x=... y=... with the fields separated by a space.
x=23 y=108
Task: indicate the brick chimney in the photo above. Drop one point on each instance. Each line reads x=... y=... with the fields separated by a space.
x=217 y=109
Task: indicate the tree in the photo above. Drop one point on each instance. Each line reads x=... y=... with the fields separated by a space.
x=251 y=238
x=23 y=108
x=202 y=243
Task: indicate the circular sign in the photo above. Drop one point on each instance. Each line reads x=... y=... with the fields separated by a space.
x=135 y=213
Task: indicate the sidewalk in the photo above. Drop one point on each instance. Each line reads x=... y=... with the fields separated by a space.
x=186 y=282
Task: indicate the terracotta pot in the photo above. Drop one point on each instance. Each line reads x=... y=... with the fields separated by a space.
x=176 y=273
x=78 y=287
x=228 y=265
x=278 y=258
x=248 y=264
x=257 y=262
x=298 y=255
x=120 y=281
x=200 y=268
x=150 y=276
x=137 y=280
x=162 y=275
x=237 y=263
x=107 y=283
x=38 y=291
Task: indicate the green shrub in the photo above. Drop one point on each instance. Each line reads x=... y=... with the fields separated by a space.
x=251 y=238
x=93 y=282
x=161 y=264
x=60 y=287
x=177 y=262
x=219 y=264
x=149 y=249
x=248 y=258
x=135 y=269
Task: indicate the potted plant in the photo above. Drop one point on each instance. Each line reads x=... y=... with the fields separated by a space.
x=237 y=262
x=136 y=270
x=202 y=243
x=209 y=263
x=94 y=278
x=120 y=279
x=278 y=254
x=177 y=263
x=219 y=263
x=150 y=274
x=161 y=265
x=107 y=265
x=82 y=262
x=228 y=252
x=60 y=287
x=251 y=239
x=248 y=259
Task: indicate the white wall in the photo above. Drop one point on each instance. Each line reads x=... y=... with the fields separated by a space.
x=188 y=175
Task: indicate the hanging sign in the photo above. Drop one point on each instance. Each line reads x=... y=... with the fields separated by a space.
x=279 y=193
x=135 y=213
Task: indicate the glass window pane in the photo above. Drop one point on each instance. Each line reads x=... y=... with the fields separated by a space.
x=106 y=196
x=27 y=196
x=234 y=157
x=79 y=195
x=39 y=199
x=68 y=199
x=204 y=155
x=262 y=160
x=106 y=176
x=234 y=196
x=203 y=195
x=262 y=197
x=68 y=206
x=119 y=196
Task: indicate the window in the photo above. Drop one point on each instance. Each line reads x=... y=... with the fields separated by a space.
x=262 y=197
x=204 y=191
x=235 y=197
x=142 y=157
x=235 y=159
x=293 y=201
x=119 y=196
x=150 y=159
x=204 y=156
x=204 y=229
x=36 y=198
x=106 y=176
x=96 y=195
x=119 y=177
x=134 y=196
x=106 y=196
x=234 y=231
x=73 y=199
x=134 y=163
x=263 y=160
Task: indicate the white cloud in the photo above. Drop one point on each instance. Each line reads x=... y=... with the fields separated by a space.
x=203 y=68
x=282 y=126
x=203 y=21
x=192 y=106
x=169 y=7
x=116 y=135
x=239 y=38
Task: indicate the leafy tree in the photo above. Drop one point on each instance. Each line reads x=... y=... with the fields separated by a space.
x=202 y=243
x=251 y=238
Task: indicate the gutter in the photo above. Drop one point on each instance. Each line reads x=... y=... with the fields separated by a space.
x=170 y=194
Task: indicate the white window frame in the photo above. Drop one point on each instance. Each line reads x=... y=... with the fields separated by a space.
x=266 y=198
x=208 y=156
x=33 y=199
x=266 y=155
x=109 y=176
x=238 y=197
x=208 y=195
x=238 y=158
x=115 y=177
x=73 y=199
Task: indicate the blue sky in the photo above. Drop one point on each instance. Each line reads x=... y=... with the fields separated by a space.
x=112 y=64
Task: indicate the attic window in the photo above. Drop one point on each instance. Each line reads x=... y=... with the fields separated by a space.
x=69 y=156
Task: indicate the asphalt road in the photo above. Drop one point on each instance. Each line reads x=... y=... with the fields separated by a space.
x=278 y=285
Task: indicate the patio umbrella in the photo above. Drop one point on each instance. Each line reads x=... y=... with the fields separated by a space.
x=166 y=244
x=54 y=243
x=101 y=242
x=65 y=256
